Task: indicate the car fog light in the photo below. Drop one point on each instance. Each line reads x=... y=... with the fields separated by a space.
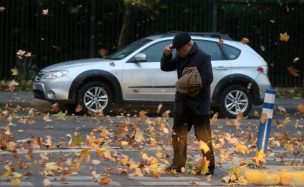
x=51 y=95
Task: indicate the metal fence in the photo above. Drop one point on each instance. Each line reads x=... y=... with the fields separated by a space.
x=58 y=30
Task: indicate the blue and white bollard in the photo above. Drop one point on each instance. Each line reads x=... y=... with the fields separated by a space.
x=264 y=128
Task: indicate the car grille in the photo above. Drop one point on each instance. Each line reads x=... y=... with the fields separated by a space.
x=39 y=76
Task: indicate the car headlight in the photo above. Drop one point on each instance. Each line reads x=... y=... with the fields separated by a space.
x=55 y=74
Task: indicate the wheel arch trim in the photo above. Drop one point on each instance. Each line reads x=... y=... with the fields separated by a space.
x=236 y=79
x=98 y=74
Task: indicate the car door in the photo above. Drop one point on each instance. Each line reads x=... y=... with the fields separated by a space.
x=144 y=81
x=220 y=66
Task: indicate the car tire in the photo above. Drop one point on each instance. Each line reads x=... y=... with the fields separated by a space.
x=235 y=99
x=95 y=97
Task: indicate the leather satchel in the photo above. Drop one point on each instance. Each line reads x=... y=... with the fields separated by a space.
x=190 y=83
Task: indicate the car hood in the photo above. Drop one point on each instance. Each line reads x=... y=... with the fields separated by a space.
x=74 y=63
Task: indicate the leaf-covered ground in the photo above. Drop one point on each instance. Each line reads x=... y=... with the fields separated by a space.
x=98 y=137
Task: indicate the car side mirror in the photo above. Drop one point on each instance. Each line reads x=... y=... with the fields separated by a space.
x=140 y=57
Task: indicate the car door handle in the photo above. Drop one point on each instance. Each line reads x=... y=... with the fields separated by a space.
x=221 y=68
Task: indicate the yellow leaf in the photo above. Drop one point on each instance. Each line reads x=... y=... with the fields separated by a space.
x=85 y=154
x=203 y=167
x=260 y=158
x=124 y=161
x=242 y=148
x=300 y=108
x=14 y=71
x=203 y=146
x=15 y=181
x=104 y=133
x=99 y=152
x=284 y=37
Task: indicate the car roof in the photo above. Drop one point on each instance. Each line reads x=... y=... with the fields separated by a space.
x=202 y=34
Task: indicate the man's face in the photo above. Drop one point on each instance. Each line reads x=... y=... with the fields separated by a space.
x=183 y=51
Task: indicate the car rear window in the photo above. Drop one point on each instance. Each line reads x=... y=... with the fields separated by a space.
x=231 y=52
x=211 y=48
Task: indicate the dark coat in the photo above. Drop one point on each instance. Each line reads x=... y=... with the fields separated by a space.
x=199 y=104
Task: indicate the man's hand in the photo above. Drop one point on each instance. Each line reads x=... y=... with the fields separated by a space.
x=168 y=50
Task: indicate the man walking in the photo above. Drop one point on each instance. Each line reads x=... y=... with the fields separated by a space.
x=189 y=110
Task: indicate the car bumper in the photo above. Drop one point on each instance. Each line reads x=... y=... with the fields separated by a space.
x=53 y=91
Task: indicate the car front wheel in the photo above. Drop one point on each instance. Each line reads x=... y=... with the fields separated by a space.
x=95 y=97
x=234 y=100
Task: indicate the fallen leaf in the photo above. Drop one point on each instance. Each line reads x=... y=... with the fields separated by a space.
x=282 y=109
x=78 y=108
x=45 y=12
x=263 y=118
x=47 y=182
x=300 y=108
x=95 y=162
x=2 y=8
x=295 y=59
x=221 y=40
x=260 y=158
x=245 y=40
x=105 y=180
x=213 y=120
x=203 y=167
x=284 y=37
x=159 y=107
x=293 y=71
x=242 y=148
x=142 y=115
x=46 y=117
x=14 y=71
x=124 y=161
x=55 y=107
x=20 y=53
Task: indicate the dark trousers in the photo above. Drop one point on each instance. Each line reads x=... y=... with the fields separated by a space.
x=182 y=124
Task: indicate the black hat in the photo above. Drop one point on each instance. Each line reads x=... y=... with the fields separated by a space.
x=180 y=40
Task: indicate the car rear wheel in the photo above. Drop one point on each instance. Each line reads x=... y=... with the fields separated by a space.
x=95 y=97
x=234 y=100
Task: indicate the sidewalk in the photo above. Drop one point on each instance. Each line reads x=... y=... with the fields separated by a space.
x=27 y=99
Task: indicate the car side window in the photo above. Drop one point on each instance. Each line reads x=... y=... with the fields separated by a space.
x=155 y=51
x=211 y=48
x=231 y=52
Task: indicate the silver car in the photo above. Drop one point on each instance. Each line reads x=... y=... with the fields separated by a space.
x=133 y=74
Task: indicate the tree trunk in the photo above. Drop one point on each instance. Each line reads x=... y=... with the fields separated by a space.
x=123 y=36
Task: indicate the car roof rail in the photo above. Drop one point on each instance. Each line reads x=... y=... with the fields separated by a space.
x=203 y=34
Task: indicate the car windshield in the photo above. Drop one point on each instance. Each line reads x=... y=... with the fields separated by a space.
x=122 y=53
